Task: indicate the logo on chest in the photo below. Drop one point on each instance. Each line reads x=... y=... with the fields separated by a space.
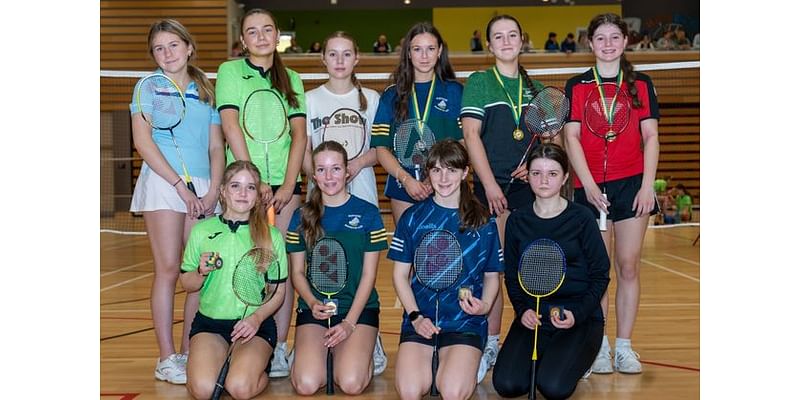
x=354 y=222
x=440 y=103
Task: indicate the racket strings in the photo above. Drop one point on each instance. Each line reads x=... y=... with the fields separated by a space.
x=607 y=115
x=166 y=101
x=327 y=269
x=249 y=278
x=264 y=116
x=348 y=128
x=437 y=261
x=541 y=269
x=412 y=141
x=547 y=112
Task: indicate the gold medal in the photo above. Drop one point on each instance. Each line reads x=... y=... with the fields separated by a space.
x=611 y=136
x=518 y=134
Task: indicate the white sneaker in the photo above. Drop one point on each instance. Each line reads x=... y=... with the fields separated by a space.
x=587 y=374
x=602 y=363
x=280 y=365
x=483 y=368
x=488 y=358
x=172 y=370
x=379 y=360
x=626 y=361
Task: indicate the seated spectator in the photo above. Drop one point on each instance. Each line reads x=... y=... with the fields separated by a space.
x=681 y=40
x=382 y=45
x=475 y=43
x=696 y=41
x=568 y=45
x=667 y=42
x=315 y=47
x=645 y=44
x=551 y=44
x=583 y=42
x=293 y=48
x=236 y=50
x=527 y=46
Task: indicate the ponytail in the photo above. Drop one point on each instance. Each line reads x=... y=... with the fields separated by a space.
x=204 y=87
x=311 y=217
x=630 y=79
x=473 y=213
x=528 y=82
x=362 y=100
x=260 y=232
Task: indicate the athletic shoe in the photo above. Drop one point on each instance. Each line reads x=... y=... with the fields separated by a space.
x=626 y=361
x=602 y=363
x=490 y=351
x=280 y=365
x=379 y=360
x=172 y=370
x=587 y=374
x=483 y=368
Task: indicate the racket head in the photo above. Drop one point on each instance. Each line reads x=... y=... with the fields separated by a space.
x=594 y=114
x=413 y=140
x=347 y=127
x=542 y=268
x=160 y=101
x=437 y=260
x=264 y=117
x=250 y=283
x=327 y=266
x=547 y=112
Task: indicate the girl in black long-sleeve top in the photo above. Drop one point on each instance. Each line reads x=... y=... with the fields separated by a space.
x=567 y=346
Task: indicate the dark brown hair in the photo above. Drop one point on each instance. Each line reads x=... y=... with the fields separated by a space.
x=627 y=67
x=311 y=213
x=522 y=70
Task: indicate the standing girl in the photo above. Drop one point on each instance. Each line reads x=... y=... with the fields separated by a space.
x=170 y=209
x=462 y=323
x=496 y=137
x=219 y=322
x=566 y=346
x=332 y=212
x=236 y=79
x=424 y=88
x=632 y=162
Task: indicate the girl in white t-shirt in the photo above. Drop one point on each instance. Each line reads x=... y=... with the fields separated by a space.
x=340 y=102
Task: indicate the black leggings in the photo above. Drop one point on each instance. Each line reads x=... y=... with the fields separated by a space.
x=564 y=355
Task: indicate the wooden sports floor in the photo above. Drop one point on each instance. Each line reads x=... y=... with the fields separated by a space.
x=667 y=333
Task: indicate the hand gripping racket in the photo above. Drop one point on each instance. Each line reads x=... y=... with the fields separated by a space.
x=544 y=116
x=413 y=140
x=542 y=268
x=252 y=287
x=437 y=265
x=327 y=273
x=163 y=106
x=606 y=114
x=265 y=121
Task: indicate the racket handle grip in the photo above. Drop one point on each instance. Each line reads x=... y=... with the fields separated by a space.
x=271 y=215
x=329 y=389
x=220 y=385
x=190 y=185
x=603 y=215
x=532 y=392
x=434 y=369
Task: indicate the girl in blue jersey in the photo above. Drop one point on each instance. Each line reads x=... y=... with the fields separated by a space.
x=170 y=209
x=462 y=325
x=219 y=321
x=332 y=212
x=424 y=88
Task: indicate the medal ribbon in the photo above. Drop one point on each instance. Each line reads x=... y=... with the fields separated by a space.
x=608 y=110
x=427 y=103
x=517 y=112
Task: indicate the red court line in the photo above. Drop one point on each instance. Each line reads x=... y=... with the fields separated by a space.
x=122 y=396
x=671 y=366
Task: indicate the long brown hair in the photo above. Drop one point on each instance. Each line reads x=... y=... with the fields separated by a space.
x=403 y=75
x=311 y=213
x=450 y=153
x=627 y=67
x=522 y=71
x=205 y=88
x=277 y=73
x=362 y=100
x=259 y=227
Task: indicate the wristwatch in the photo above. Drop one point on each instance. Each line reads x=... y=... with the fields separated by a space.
x=412 y=316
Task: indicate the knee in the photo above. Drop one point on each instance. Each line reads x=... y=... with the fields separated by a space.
x=627 y=270
x=555 y=390
x=506 y=387
x=406 y=390
x=456 y=391
x=352 y=384
x=305 y=385
x=240 y=388
x=200 y=389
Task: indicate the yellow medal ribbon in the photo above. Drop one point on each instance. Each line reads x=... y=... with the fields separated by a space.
x=518 y=134
x=608 y=110
x=427 y=103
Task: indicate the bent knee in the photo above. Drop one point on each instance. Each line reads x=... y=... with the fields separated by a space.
x=200 y=389
x=555 y=391
x=456 y=392
x=505 y=388
x=352 y=384
x=305 y=385
x=241 y=388
x=408 y=391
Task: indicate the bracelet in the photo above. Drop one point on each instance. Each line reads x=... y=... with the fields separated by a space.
x=176 y=182
x=353 y=327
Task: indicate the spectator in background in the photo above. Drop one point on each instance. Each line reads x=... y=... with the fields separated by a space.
x=551 y=44
x=681 y=40
x=236 y=50
x=667 y=42
x=527 y=46
x=682 y=207
x=293 y=48
x=696 y=41
x=315 y=47
x=400 y=45
x=583 y=42
x=475 y=43
x=382 y=45
x=568 y=45
x=645 y=44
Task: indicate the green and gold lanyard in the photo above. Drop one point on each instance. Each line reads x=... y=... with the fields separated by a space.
x=515 y=108
x=608 y=110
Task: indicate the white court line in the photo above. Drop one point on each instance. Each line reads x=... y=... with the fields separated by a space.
x=671 y=270
x=683 y=259
x=122 y=246
x=126 y=268
x=126 y=282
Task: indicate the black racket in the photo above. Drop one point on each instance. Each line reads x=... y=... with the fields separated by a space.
x=327 y=273
x=542 y=268
x=606 y=114
x=544 y=116
x=347 y=127
x=437 y=264
x=252 y=287
x=413 y=140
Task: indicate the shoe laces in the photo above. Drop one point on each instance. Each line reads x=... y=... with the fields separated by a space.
x=623 y=354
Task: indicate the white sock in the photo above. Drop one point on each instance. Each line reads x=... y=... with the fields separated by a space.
x=622 y=343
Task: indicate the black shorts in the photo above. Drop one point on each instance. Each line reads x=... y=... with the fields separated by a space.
x=393 y=190
x=369 y=316
x=223 y=327
x=620 y=193
x=298 y=188
x=519 y=195
x=447 y=339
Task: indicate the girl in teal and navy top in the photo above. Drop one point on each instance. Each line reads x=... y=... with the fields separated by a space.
x=424 y=88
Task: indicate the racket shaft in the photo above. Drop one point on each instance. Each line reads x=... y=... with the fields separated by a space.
x=603 y=215
x=435 y=365
x=223 y=373
x=329 y=389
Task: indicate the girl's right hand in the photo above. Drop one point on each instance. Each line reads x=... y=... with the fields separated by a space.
x=266 y=193
x=530 y=320
x=595 y=197
x=417 y=190
x=194 y=207
x=321 y=311
x=425 y=327
x=496 y=199
x=204 y=268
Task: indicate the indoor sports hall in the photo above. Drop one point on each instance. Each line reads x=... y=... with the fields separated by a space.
x=667 y=332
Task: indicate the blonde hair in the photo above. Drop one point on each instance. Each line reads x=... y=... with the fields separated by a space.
x=259 y=227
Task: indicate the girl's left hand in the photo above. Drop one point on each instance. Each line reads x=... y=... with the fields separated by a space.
x=644 y=201
x=245 y=329
x=473 y=305
x=520 y=174
x=282 y=197
x=337 y=334
x=353 y=168
x=209 y=203
x=568 y=322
